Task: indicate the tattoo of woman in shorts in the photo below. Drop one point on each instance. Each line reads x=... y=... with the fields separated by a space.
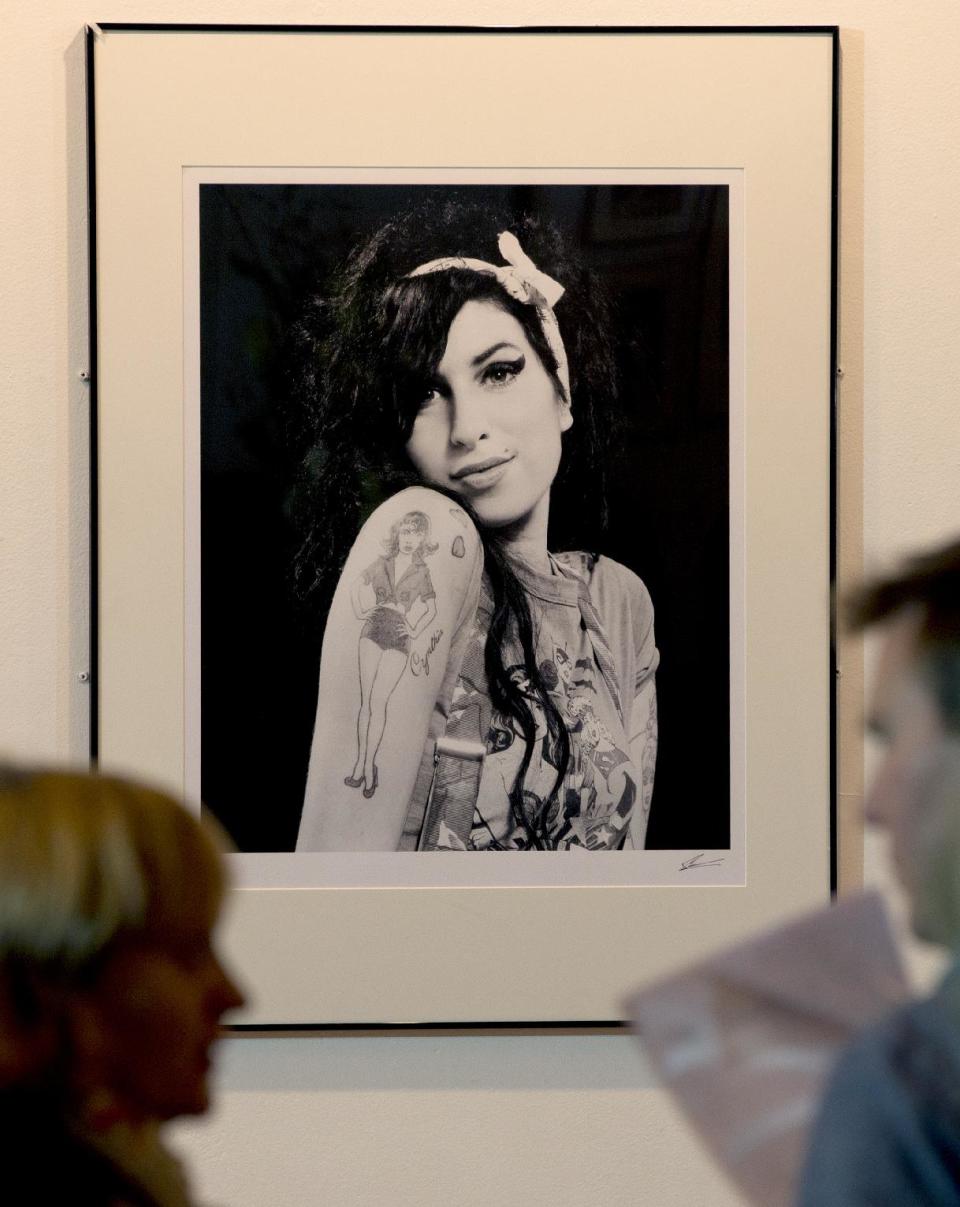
x=395 y=599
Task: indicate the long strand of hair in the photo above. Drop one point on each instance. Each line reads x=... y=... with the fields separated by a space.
x=511 y=618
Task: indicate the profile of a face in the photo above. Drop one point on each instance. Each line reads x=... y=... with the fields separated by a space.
x=146 y=1027
x=490 y=427
x=915 y=793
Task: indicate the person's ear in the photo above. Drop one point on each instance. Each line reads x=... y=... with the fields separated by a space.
x=87 y=1035
x=566 y=416
x=96 y=1102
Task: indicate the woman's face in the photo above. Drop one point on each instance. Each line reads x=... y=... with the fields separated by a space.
x=151 y=1021
x=490 y=428
x=409 y=538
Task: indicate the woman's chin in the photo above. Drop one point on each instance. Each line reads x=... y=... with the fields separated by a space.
x=502 y=514
x=195 y=1101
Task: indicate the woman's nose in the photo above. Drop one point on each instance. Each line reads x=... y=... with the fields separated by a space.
x=468 y=419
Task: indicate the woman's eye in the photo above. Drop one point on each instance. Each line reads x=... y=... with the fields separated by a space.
x=499 y=372
x=428 y=397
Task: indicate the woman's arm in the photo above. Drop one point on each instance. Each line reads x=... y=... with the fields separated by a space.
x=643 y=753
x=362 y=580
x=366 y=688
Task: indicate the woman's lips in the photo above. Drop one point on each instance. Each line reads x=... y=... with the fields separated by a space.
x=482 y=474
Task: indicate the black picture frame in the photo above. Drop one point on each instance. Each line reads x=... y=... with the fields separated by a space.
x=553 y=970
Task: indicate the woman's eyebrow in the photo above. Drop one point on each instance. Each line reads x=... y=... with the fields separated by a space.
x=482 y=356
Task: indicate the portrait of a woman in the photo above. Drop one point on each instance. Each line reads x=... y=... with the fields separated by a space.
x=504 y=698
x=458 y=440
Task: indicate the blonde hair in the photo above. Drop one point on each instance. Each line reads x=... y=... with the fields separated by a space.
x=87 y=859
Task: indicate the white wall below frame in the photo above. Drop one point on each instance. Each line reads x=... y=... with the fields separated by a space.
x=471 y=1120
x=434 y=1120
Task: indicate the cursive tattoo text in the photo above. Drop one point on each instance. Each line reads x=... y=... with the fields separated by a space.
x=698 y=861
x=420 y=664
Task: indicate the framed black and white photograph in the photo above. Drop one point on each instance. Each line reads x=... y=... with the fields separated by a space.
x=657 y=282
x=464 y=489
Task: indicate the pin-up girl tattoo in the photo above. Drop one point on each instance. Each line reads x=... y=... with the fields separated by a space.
x=395 y=599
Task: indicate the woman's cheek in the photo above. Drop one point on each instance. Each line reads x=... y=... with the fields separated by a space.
x=423 y=450
x=432 y=470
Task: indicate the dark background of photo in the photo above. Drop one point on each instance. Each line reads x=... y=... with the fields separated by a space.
x=662 y=251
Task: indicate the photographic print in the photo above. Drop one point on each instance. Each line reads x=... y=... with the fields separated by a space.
x=345 y=417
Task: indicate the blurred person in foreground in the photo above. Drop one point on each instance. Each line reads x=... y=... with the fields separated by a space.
x=888 y=1130
x=111 y=993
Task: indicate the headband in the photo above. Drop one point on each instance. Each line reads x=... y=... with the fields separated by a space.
x=523 y=281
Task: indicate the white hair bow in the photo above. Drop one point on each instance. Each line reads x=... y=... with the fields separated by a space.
x=523 y=281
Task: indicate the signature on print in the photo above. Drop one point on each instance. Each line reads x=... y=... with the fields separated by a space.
x=698 y=861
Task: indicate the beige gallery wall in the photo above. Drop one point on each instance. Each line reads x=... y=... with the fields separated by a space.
x=478 y=1119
